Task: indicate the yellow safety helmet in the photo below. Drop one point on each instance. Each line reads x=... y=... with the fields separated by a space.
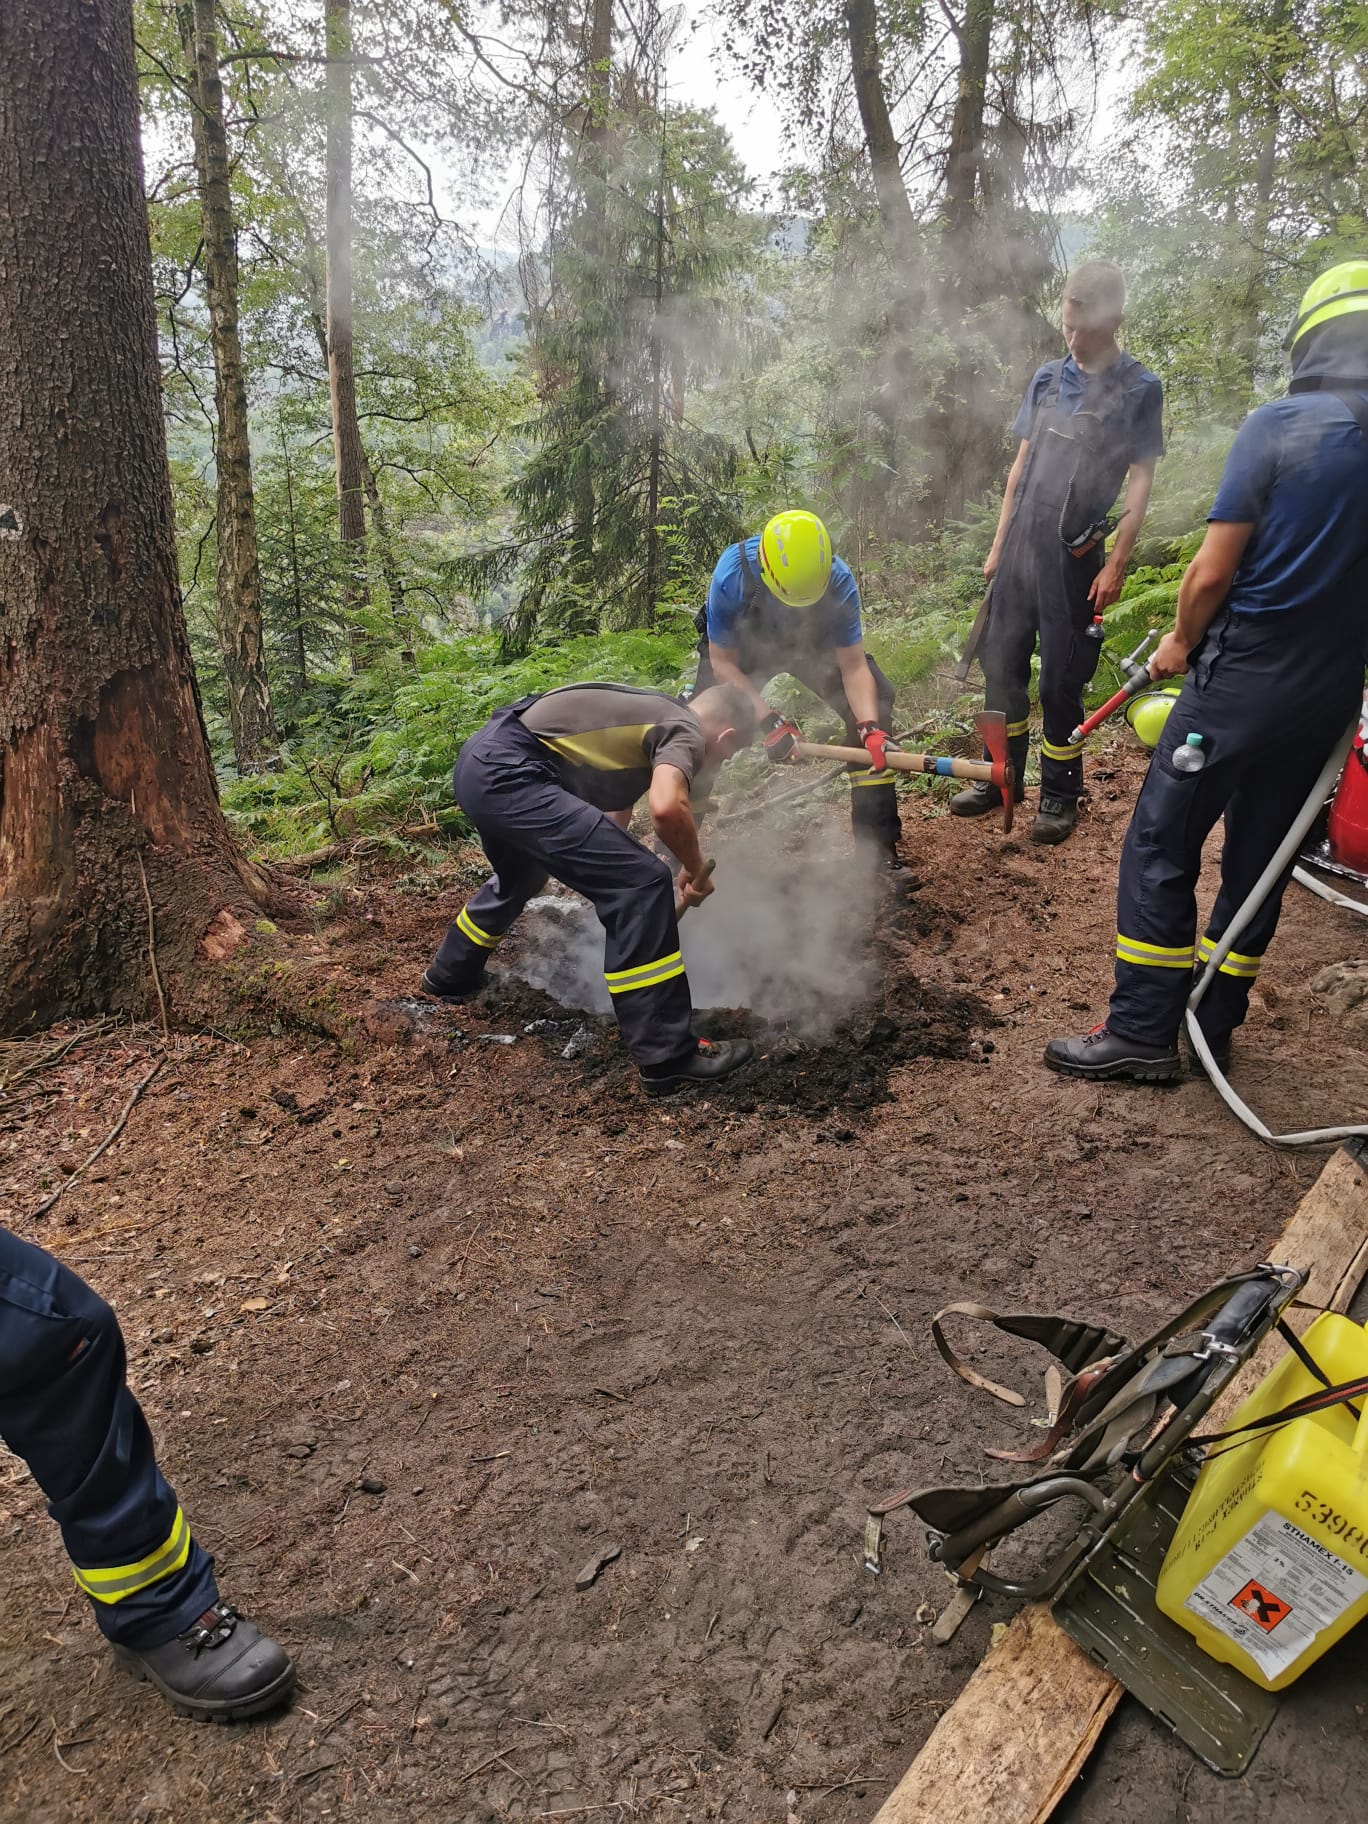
x=1336 y=293
x=1148 y=713
x=795 y=558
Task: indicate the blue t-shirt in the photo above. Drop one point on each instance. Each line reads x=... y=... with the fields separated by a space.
x=1298 y=469
x=837 y=615
x=1142 y=405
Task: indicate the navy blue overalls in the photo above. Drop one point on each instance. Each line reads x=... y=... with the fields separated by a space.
x=65 y=1408
x=1270 y=694
x=1270 y=690
x=511 y=788
x=775 y=639
x=1041 y=589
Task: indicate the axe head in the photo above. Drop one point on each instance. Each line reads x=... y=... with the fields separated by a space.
x=991 y=727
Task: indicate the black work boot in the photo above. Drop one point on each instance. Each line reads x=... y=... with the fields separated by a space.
x=220 y=1670
x=710 y=1060
x=1220 y=1052
x=1102 y=1055
x=1055 y=819
x=976 y=800
x=452 y=996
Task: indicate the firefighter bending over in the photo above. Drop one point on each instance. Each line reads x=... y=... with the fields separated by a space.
x=549 y=784
x=785 y=603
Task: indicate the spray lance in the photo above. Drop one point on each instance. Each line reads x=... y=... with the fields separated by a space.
x=1137 y=679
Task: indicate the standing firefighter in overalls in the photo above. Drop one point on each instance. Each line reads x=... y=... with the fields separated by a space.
x=785 y=603
x=1086 y=423
x=1272 y=634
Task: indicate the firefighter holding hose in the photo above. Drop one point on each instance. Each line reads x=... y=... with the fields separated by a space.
x=550 y=783
x=1088 y=423
x=1271 y=634
x=783 y=602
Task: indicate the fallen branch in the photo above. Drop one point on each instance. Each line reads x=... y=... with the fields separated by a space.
x=104 y=1145
x=95 y=1030
x=791 y=796
x=152 y=947
x=350 y=851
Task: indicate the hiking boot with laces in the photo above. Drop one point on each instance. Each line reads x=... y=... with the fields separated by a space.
x=1103 y=1055
x=220 y=1669
x=708 y=1062
x=1055 y=819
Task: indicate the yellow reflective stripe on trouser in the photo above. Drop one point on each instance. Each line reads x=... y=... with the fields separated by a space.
x=1154 y=956
x=111 y=1583
x=886 y=777
x=1246 y=967
x=1019 y=728
x=1052 y=752
x=466 y=925
x=645 y=975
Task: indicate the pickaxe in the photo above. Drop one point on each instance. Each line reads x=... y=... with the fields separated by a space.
x=991 y=726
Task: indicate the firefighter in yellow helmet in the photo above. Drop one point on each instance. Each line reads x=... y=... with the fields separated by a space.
x=783 y=602
x=1271 y=637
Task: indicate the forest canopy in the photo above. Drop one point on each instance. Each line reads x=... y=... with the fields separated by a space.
x=480 y=340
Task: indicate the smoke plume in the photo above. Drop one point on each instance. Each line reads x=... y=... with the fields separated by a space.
x=783 y=934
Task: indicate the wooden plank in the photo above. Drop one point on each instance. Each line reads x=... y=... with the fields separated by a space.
x=1013 y=1741
x=1018 y=1735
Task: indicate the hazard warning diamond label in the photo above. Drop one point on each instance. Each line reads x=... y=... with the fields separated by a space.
x=1274 y=1591
x=1263 y=1608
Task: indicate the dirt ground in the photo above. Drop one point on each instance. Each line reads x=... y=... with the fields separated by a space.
x=423 y=1327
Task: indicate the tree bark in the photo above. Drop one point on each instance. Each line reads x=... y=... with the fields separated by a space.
x=241 y=635
x=106 y=769
x=885 y=154
x=964 y=166
x=594 y=178
x=351 y=522
x=301 y=656
x=654 y=553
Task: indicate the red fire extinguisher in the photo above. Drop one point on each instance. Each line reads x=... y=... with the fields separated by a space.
x=1348 y=830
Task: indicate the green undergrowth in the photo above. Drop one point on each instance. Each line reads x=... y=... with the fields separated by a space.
x=371 y=756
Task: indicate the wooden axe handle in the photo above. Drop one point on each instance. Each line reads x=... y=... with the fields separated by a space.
x=899 y=762
x=704 y=873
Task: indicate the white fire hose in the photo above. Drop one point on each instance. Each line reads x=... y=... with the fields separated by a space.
x=1265 y=884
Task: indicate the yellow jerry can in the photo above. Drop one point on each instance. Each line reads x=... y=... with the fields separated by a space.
x=1269 y=1565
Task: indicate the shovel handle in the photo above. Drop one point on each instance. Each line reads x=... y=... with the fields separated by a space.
x=704 y=873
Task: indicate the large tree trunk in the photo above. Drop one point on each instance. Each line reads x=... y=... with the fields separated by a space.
x=241 y=635
x=885 y=154
x=351 y=522
x=106 y=770
x=594 y=178
x=898 y=385
x=964 y=184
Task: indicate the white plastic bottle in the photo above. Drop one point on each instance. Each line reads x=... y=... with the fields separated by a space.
x=1189 y=758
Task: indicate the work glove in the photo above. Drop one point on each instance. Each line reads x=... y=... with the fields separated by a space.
x=877 y=742
x=780 y=733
